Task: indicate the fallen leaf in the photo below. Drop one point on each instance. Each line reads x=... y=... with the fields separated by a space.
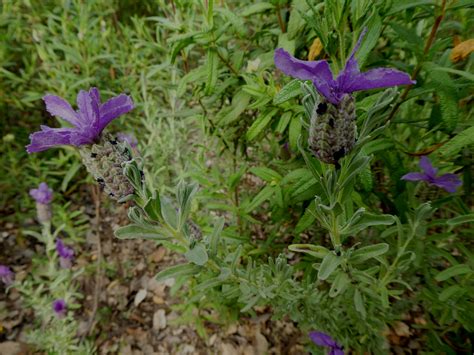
x=315 y=49
x=462 y=50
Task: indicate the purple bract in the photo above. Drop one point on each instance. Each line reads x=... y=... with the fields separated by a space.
x=129 y=138
x=88 y=122
x=65 y=253
x=348 y=81
x=6 y=275
x=323 y=339
x=43 y=194
x=448 y=182
x=60 y=307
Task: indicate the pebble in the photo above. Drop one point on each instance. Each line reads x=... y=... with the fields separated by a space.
x=159 y=319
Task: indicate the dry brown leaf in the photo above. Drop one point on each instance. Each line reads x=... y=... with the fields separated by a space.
x=315 y=49
x=462 y=50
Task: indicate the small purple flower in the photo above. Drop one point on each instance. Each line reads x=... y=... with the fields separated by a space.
x=6 y=275
x=43 y=194
x=129 y=138
x=88 y=122
x=448 y=182
x=60 y=308
x=323 y=339
x=66 y=254
x=348 y=81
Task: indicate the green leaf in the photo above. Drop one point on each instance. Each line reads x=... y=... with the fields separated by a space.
x=153 y=208
x=266 y=174
x=259 y=124
x=134 y=231
x=197 y=255
x=460 y=220
x=239 y=104
x=457 y=143
x=289 y=91
x=261 y=197
x=455 y=270
x=453 y=290
x=256 y=8
x=339 y=285
x=283 y=122
x=401 y=5
x=295 y=131
x=368 y=220
x=371 y=251
x=169 y=212
x=317 y=251
x=307 y=219
x=449 y=110
x=177 y=271
x=212 y=66
x=359 y=303
x=185 y=194
x=70 y=174
x=374 y=26
x=328 y=265
x=215 y=236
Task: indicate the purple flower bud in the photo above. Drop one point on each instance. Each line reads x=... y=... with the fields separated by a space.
x=448 y=182
x=43 y=194
x=322 y=339
x=60 y=308
x=6 y=275
x=129 y=138
x=66 y=254
x=88 y=122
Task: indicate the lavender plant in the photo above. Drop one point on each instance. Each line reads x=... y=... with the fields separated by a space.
x=317 y=216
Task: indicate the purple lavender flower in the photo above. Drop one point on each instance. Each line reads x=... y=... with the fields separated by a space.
x=348 y=81
x=60 y=308
x=43 y=194
x=6 y=275
x=323 y=339
x=66 y=254
x=448 y=182
x=129 y=138
x=88 y=122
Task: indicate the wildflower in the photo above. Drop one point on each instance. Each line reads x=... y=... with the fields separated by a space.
x=100 y=152
x=332 y=129
x=448 y=182
x=129 y=138
x=6 y=275
x=65 y=253
x=43 y=196
x=60 y=308
x=88 y=122
x=348 y=81
x=323 y=339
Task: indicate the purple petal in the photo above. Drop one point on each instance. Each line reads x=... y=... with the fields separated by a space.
x=351 y=69
x=378 y=78
x=336 y=351
x=427 y=167
x=322 y=339
x=129 y=138
x=64 y=251
x=50 y=137
x=448 y=182
x=60 y=307
x=89 y=116
x=316 y=71
x=415 y=177
x=95 y=95
x=113 y=108
x=57 y=106
x=43 y=194
x=6 y=275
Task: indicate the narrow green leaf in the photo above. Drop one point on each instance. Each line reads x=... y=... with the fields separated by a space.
x=212 y=66
x=261 y=197
x=134 y=231
x=289 y=91
x=359 y=303
x=197 y=255
x=259 y=124
x=328 y=265
x=453 y=271
x=368 y=252
x=457 y=143
x=177 y=271
x=317 y=251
